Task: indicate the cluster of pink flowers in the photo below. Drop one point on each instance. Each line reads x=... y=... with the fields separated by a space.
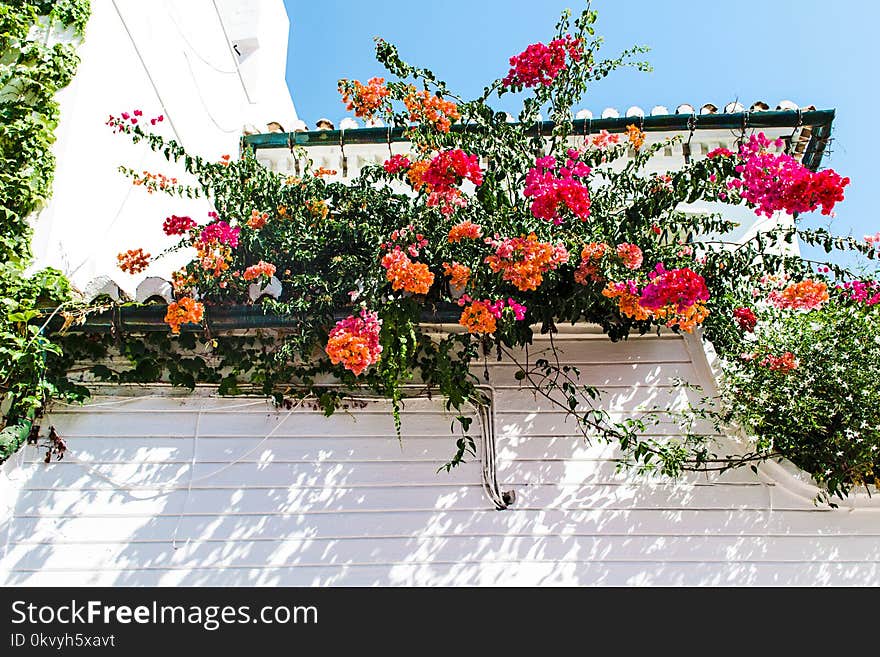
x=125 y=119
x=873 y=239
x=396 y=164
x=862 y=291
x=719 y=152
x=175 y=225
x=221 y=232
x=630 y=255
x=553 y=188
x=679 y=288
x=776 y=181
x=746 y=319
x=539 y=64
x=496 y=308
x=407 y=239
x=354 y=342
x=445 y=172
x=449 y=168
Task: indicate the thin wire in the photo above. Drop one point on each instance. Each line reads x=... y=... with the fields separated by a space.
x=201 y=98
x=147 y=71
x=168 y=486
x=191 y=47
x=232 y=52
x=192 y=469
x=12 y=503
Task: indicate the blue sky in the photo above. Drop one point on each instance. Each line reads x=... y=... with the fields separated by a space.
x=807 y=51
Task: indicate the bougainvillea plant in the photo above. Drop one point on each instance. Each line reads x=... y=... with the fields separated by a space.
x=514 y=232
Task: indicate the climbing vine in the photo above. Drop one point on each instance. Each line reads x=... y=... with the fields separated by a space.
x=31 y=72
x=501 y=231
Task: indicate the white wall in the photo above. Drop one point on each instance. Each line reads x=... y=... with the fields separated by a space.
x=196 y=490
x=166 y=57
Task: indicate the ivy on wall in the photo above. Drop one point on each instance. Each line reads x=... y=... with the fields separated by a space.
x=31 y=72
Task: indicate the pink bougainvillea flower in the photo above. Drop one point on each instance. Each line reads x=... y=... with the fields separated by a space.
x=221 y=232
x=630 y=255
x=540 y=63
x=772 y=182
x=553 y=188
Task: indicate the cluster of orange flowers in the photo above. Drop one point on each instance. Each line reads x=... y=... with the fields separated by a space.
x=325 y=172
x=213 y=256
x=404 y=274
x=523 y=261
x=181 y=280
x=692 y=316
x=804 y=295
x=318 y=209
x=153 y=181
x=627 y=300
x=225 y=160
x=133 y=261
x=364 y=99
x=260 y=269
x=416 y=173
x=477 y=318
x=465 y=230
x=258 y=219
x=184 y=311
x=588 y=270
x=458 y=274
x=636 y=136
x=425 y=107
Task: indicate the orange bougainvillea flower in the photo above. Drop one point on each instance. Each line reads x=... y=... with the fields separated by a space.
x=636 y=136
x=184 y=311
x=260 y=269
x=133 y=261
x=214 y=256
x=805 y=295
x=687 y=319
x=364 y=99
x=416 y=173
x=478 y=318
x=587 y=272
x=318 y=209
x=225 y=160
x=325 y=172
x=523 y=261
x=404 y=274
x=627 y=295
x=458 y=274
x=465 y=230
x=594 y=250
x=425 y=107
x=258 y=219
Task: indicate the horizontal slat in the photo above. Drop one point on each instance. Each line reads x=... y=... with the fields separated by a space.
x=601 y=374
x=69 y=475
x=373 y=421
x=635 y=573
x=426 y=497
x=462 y=549
x=811 y=521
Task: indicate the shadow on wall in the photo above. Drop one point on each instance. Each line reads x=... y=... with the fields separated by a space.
x=266 y=497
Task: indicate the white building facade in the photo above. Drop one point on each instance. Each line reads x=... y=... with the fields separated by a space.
x=163 y=487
